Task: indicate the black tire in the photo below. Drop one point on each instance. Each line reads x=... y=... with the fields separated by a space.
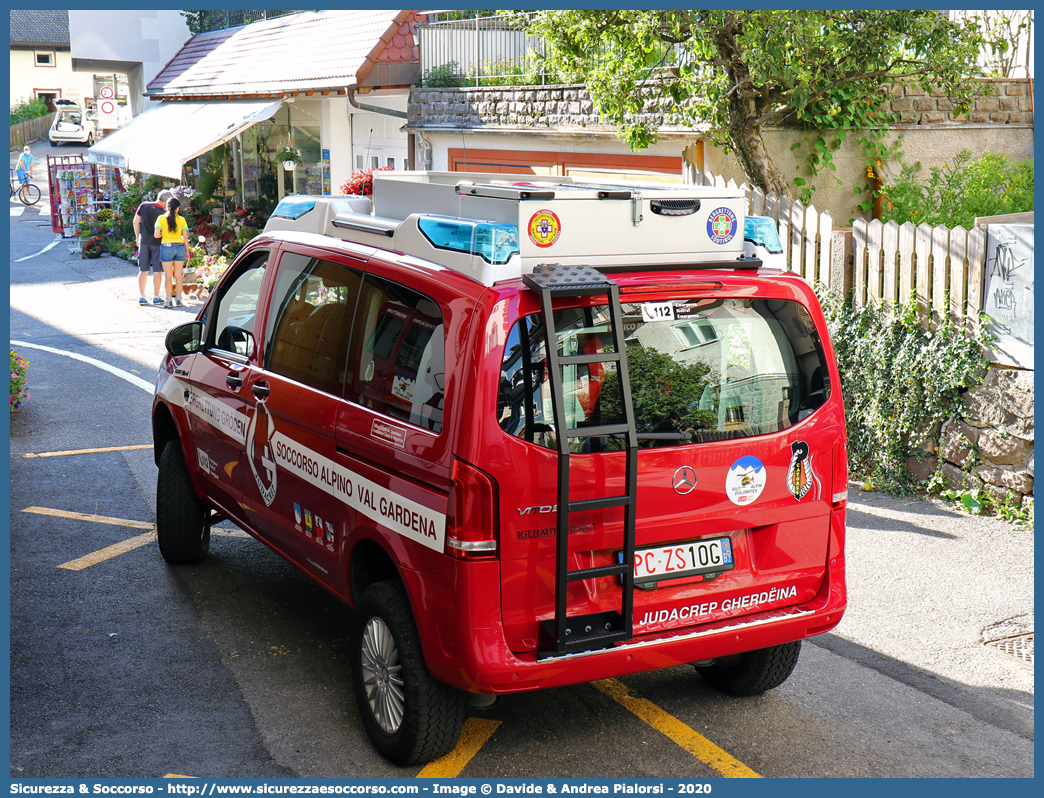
x=410 y=716
x=90 y=139
x=52 y=142
x=29 y=194
x=753 y=672
x=184 y=535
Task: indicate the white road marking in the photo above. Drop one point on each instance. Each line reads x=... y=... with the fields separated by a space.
x=42 y=251
x=123 y=375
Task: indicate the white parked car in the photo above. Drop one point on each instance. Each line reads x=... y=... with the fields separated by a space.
x=71 y=123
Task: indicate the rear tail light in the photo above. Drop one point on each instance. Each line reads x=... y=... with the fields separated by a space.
x=471 y=525
x=840 y=483
x=688 y=286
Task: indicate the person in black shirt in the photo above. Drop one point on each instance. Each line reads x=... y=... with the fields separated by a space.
x=149 y=246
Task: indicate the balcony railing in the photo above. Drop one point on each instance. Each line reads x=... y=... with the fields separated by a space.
x=495 y=51
x=219 y=19
x=484 y=51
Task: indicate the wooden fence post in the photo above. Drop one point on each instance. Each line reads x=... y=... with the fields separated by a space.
x=874 y=240
x=859 y=262
x=923 y=253
x=810 y=236
x=906 y=261
x=940 y=250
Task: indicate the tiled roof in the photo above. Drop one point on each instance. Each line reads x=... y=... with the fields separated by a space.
x=44 y=27
x=308 y=51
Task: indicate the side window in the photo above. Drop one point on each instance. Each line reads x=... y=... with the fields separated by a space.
x=397 y=362
x=309 y=323
x=234 y=310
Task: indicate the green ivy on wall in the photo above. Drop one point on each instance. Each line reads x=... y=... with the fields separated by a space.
x=900 y=383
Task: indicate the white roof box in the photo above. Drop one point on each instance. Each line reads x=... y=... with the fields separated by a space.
x=498 y=227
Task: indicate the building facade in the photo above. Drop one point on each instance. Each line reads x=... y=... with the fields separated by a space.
x=238 y=96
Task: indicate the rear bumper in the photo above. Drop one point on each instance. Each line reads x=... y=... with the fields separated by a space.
x=489 y=667
x=80 y=137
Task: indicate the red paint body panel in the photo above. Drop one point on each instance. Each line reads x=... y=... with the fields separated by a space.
x=478 y=619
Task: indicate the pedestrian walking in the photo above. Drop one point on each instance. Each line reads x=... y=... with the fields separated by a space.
x=172 y=232
x=145 y=218
x=24 y=168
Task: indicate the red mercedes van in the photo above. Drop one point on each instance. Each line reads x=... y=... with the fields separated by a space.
x=534 y=432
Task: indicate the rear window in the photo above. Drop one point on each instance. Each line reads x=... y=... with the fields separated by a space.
x=703 y=370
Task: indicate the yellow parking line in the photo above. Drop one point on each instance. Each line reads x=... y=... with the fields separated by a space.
x=98 y=519
x=472 y=737
x=109 y=552
x=87 y=451
x=668 y=725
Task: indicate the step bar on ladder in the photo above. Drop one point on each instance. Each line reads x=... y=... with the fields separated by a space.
x=567 y=634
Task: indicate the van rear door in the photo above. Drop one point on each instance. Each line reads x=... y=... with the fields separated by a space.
x=738 y=425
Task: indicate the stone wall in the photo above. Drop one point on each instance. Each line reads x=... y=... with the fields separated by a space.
x=992 y=447
x=520 y=107
x=570 y=106
x=1010 y=104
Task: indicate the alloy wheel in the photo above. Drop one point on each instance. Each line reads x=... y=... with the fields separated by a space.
x=382 y=675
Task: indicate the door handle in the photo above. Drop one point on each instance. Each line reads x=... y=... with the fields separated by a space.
x=234 y=381
x=260 y=390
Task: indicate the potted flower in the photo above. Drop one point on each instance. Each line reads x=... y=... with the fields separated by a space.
x=361 y=181
x=290 y=156
x=91 y=247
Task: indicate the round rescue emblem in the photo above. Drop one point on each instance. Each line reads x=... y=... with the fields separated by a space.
x=544 y=228
x=721 y=225
x=745 y=480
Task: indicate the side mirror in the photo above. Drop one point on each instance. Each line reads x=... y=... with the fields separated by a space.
x=185 y=338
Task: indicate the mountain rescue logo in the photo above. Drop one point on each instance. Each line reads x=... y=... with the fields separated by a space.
x=722 y=225
x=800 y=474
x=746 y=480
x=259 y=452
x=544 y=228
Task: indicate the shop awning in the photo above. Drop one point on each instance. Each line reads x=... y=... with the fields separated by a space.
x=163 y=138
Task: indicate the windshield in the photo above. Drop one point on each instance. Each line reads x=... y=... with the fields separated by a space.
x=703 y=370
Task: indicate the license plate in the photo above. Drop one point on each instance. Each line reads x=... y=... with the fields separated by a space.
x=683 y=559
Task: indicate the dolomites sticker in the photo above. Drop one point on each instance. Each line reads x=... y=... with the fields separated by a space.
x=745 y=480
x=544 y=228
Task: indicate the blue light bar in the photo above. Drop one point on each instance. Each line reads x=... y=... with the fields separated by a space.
x=761 y=230
x=293 y=207
x=494 y=243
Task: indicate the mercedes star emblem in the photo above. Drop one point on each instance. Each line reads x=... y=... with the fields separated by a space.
x=684 y=480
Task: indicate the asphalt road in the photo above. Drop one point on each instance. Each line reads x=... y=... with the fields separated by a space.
x=238 y=667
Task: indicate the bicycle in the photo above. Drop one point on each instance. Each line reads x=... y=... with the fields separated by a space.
x=28 y=194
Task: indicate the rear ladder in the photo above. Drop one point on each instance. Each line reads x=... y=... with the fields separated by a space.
x=572 y=634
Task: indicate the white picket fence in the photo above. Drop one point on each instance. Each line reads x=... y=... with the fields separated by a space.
x=943 y=267
x=804 y=232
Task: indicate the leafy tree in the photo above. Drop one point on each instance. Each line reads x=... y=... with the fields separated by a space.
x=665 y=394
x=24 y=110
x=739 y=71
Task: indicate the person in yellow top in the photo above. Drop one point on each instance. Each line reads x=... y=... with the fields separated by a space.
x=172 y=232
